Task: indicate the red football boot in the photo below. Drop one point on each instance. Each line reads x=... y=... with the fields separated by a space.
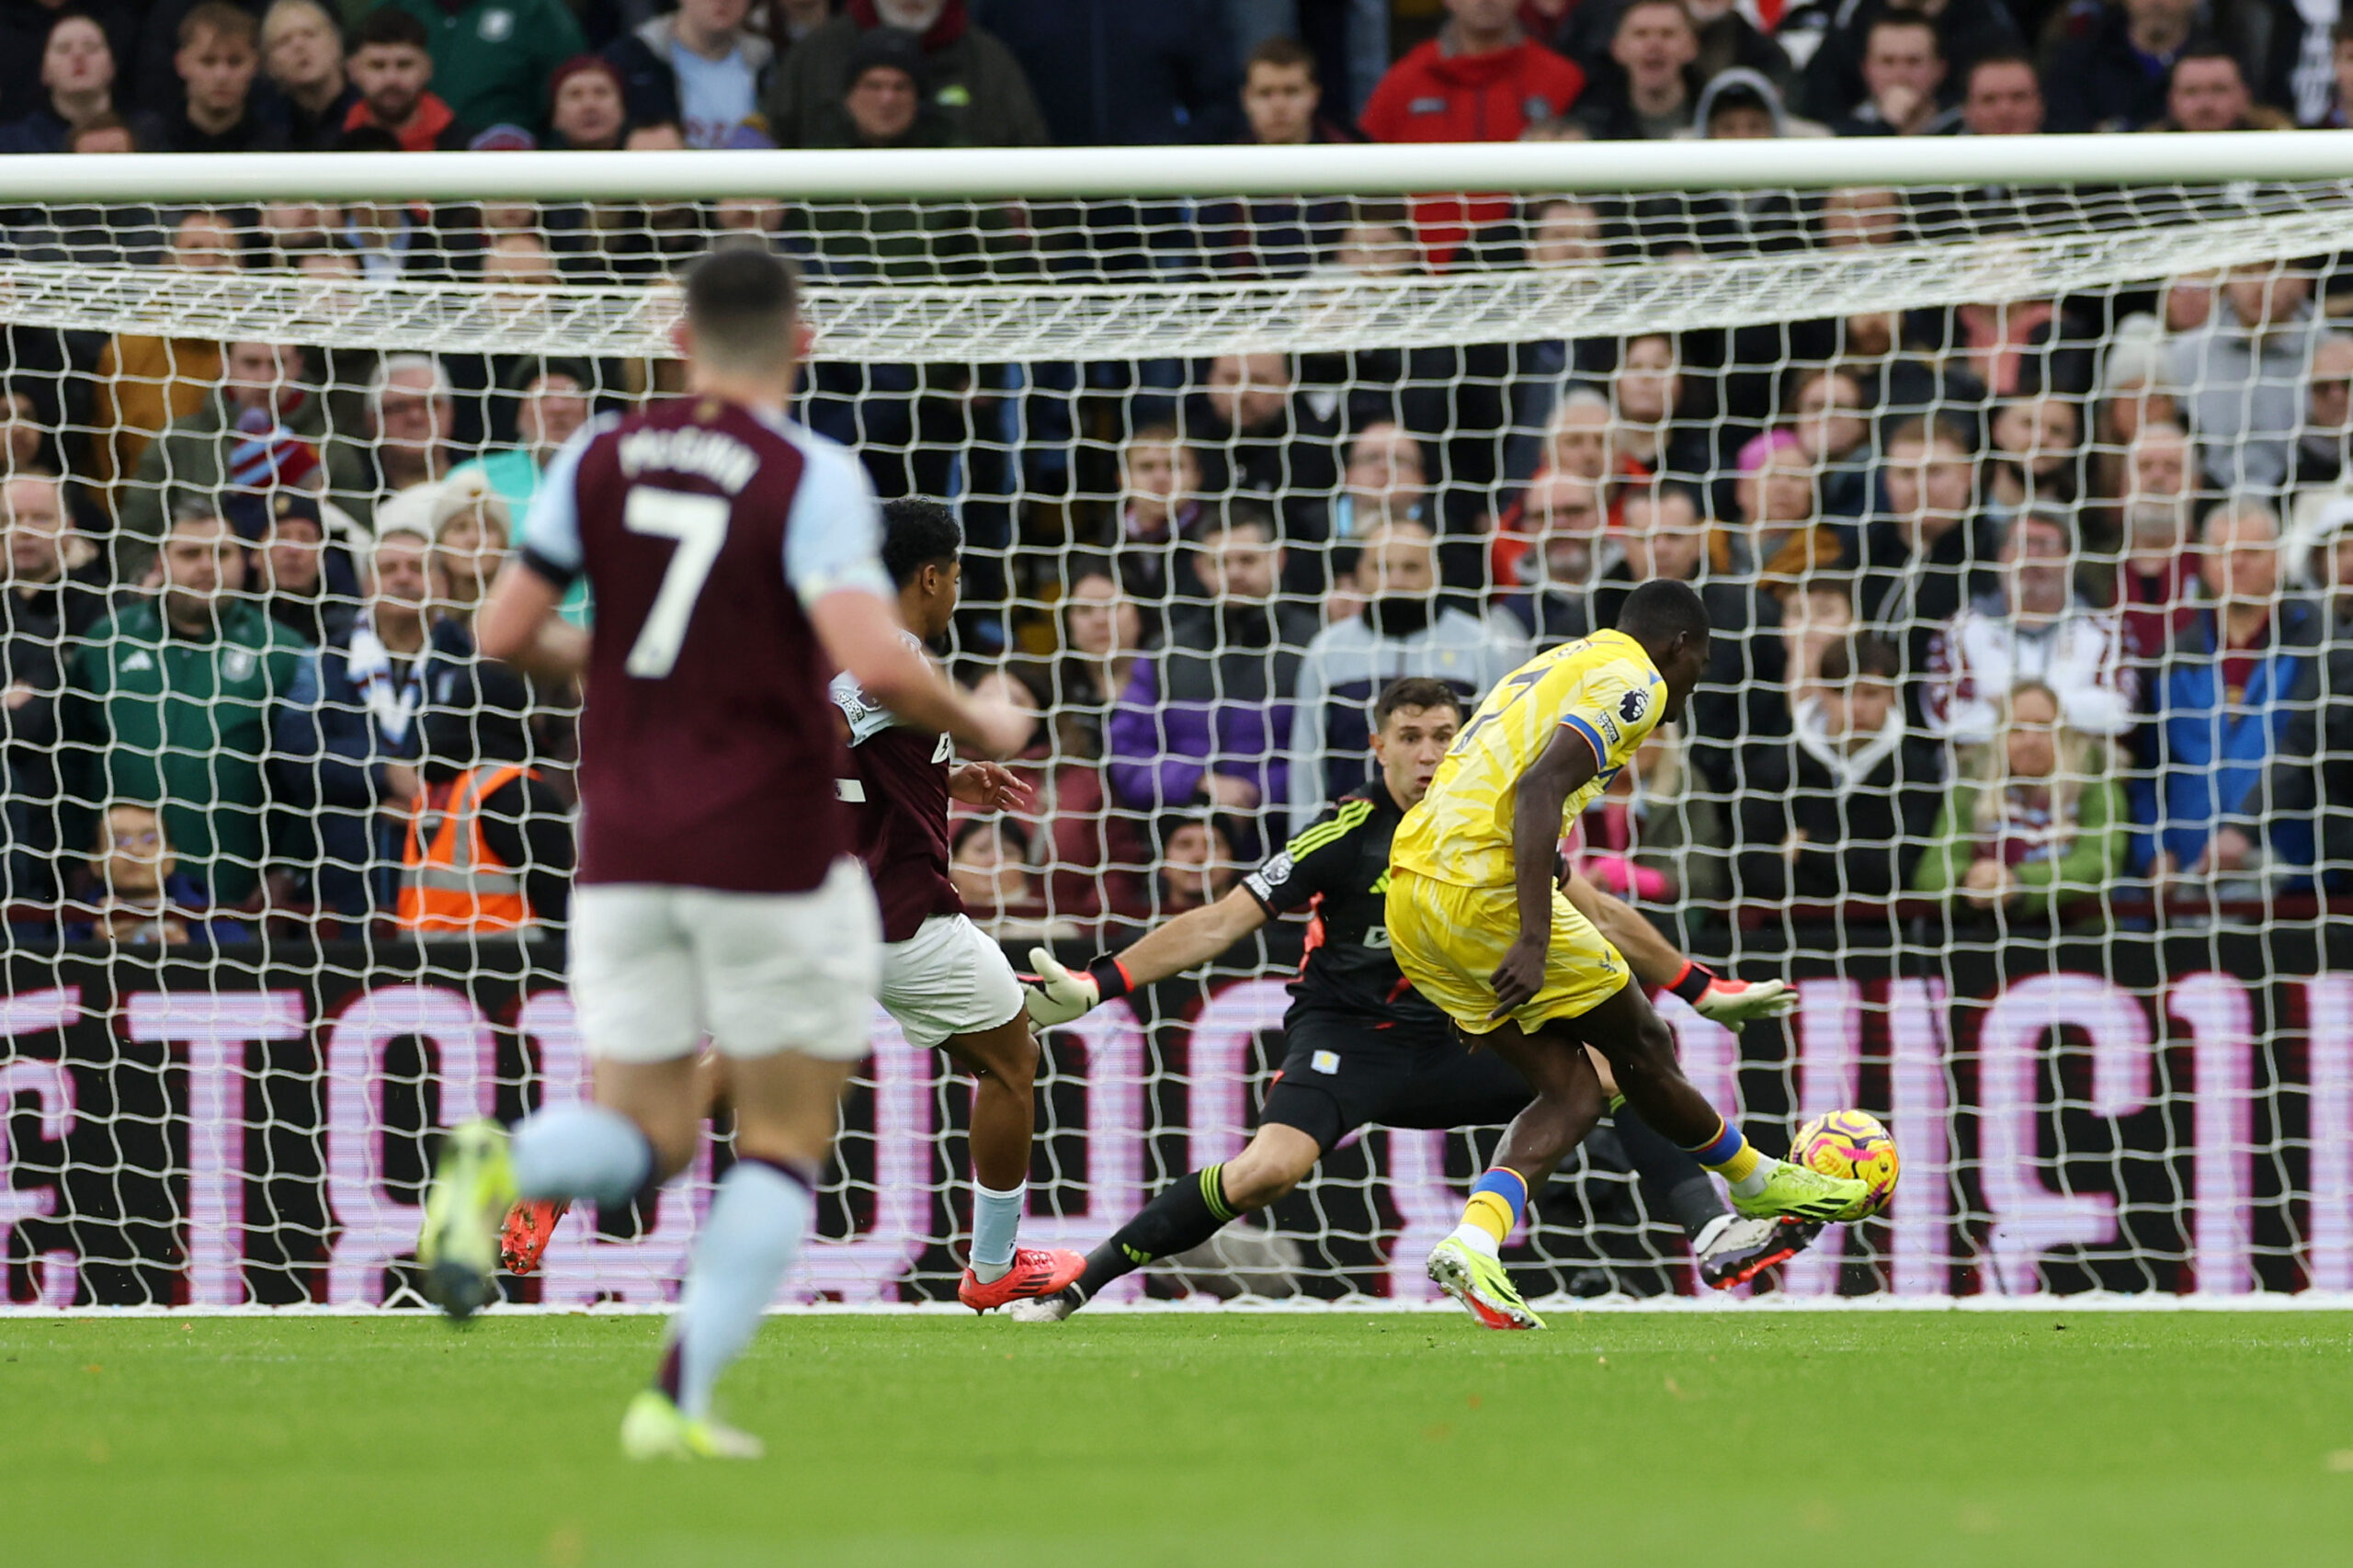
x=1035 y=1271
x=523 y=1240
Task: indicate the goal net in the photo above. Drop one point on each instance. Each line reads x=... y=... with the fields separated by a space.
x=2014 y=478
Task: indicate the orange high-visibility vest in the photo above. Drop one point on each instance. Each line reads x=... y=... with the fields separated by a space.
x=450 y=879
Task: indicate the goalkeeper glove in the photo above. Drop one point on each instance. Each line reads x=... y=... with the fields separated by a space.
x=1055 y=995
x=1730 y=1003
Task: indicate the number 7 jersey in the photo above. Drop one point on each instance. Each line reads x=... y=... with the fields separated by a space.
x=1604 y=687
x=709 y=747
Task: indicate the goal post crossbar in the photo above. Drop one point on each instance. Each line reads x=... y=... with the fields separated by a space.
x=1165 y=172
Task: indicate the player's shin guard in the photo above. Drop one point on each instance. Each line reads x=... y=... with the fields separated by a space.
x=580 y=1151
x=1188 y=1212
x=758 y=1221
x=1670 y=1173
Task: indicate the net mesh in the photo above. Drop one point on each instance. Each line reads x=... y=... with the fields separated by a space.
x=1965 y=475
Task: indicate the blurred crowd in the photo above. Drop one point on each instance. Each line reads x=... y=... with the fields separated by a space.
x=2021 y=605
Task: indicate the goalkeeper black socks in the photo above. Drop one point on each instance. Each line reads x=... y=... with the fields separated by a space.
x=1669 y=1172
x=1187 y=1213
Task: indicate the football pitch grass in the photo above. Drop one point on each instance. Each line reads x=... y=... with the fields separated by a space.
x=1212 y=1439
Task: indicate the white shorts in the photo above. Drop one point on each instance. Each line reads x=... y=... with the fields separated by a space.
x=949 y=978
x=655 y=969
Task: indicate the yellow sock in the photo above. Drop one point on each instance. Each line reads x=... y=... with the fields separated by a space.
x=1740 y=1166
x=1491 y=1213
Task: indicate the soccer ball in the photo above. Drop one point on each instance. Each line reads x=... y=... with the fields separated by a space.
x=1850 y=1143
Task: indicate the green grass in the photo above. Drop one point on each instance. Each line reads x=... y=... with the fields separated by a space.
x=1218 y=1439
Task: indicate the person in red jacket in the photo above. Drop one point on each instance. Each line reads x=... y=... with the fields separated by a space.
x=1482 y=79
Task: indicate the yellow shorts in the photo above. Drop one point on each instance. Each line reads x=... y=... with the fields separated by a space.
x=1449 y=940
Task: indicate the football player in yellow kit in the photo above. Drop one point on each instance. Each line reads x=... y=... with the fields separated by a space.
x=1479 y=923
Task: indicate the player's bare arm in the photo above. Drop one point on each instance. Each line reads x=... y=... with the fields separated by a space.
x=1565 y=766
x=991 y=786
x=1657 y=963
x=1057 y=996
x=860 y=631
x=518 y=625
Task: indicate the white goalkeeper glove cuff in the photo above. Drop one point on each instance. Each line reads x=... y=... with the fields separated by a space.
x=1055 y=995
x=1732 y=1003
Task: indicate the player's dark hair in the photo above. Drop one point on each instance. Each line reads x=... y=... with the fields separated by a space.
x=918 y=532
x=388 y=25
x=1415 y=691
x=742 y=300
x=1656 y=611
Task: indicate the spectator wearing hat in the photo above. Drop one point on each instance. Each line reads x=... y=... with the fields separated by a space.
x=391 y=62
x=264 y=428
x=308 y=579
x=964 y=71
x=700 y=66
x=302 y=51
x=492 y=59
x=880 y=102
x=587 y=113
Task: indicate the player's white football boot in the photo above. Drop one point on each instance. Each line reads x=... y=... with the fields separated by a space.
x=654 y=1428
x=1734 y=1249
x=457 y=1252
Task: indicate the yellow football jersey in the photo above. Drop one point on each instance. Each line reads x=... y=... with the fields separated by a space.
x=1603 y=687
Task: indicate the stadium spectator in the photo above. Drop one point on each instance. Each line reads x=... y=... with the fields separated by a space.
x=700 y=66
x=2134 y=390
x=880 y=105
x=173 y=701
x=2002 y=97
x=1103 y=635
x=1160 y=492
x=1649 y=89
x=2318 y=458
x=412 y=412
x=1254 y=430
x=1386 y=480
x=492 y=59
x=1403 y=629
x=218 y=58
x=472 y=532
x=264 y=426
x=2037 y=444
x=1776 y=533
x=2156 y=578
x=552 y=403
x=586 y=111
x=2034 y=819
x=391 y=64
x=139 y=897
x=1923 y=555
x=1109 y=73
x=57 y=590
x=140 y=384
x=488 y=847
x=2340 y=71
x=28 y=28
x=2243 y=370
x=2112 y=75
x=308 y=582
x=354 y=750
x=1833 y=431
x=1198 y=860
x=1208 y=720
x=1903 y=69
x=989 y=862
x=395 y=240
x=1278 y=237
x=968 y=76
x=2222 y=697
x=302 y=51
x=1482 y=79
x=1660 y=533
x=2208 y=92
x=1841 y=809
x=77 y=90
x=1566 y=521
x=2035 y=627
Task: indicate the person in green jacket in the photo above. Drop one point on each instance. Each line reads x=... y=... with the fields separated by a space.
x=492 y=59
x=2036 y=824
x=171 y=702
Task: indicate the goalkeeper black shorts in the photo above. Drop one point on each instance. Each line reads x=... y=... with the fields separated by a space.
x=1342 y=1071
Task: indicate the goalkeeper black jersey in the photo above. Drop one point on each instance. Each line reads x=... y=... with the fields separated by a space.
x=1337 y=869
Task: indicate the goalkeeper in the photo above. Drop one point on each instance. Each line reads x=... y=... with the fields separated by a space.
x=1361 y=1046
